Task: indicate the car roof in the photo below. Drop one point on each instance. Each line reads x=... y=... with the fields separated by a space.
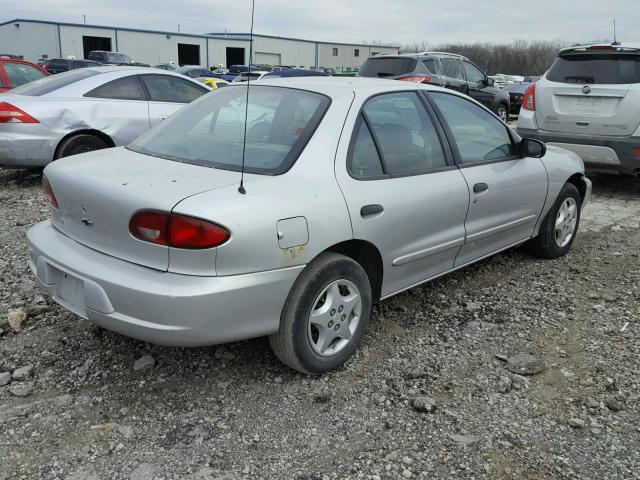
x=336 y=87
x=620 y=47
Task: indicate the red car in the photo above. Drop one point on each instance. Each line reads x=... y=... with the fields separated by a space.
x=15 y=72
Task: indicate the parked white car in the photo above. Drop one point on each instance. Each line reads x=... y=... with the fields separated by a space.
x=87 y=109
x=588 y=103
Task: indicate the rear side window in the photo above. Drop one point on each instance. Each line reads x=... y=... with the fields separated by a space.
x=387 y=67
x=452 y=68
x=50 y=84
x=167 y=88
x=596 y=69
x=364 y=160
x=126 y=88
x=479 y=136
x=20 y=73
x=406 y=136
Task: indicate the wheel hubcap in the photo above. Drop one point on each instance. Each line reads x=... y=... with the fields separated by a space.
x=566 y=221
x=334 y=317
x=502 y=113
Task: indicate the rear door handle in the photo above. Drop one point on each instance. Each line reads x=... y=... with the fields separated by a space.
x=480 y=187
x=369 y=210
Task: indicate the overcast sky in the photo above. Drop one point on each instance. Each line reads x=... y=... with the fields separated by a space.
x=396 y=22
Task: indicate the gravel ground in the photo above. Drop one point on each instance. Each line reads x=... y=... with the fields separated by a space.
x=513 y=368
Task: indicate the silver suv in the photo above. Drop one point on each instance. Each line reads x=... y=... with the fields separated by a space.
x=588 y=103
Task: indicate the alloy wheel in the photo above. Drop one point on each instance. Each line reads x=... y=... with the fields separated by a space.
x=566 y=222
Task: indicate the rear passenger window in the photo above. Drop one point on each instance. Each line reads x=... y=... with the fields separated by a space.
x=364 y=159
x=126 y=88
x=406 y=136
x=479 y=135
x=167 y=88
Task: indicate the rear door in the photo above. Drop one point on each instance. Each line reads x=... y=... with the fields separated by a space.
x=507 y=192
x=591 y=93
x=122 y=109
x=168 y=93
x=402 y=190
x=453 y=74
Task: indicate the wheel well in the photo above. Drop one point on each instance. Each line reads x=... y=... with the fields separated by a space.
x=369 y=258
x=576 y=179
x=96 y=133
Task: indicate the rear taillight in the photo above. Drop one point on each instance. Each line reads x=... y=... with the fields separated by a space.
x=46 y=186
x=637 y=152
x=12 y=114
x=529 y=100
x=177 y=231
x=416 y=79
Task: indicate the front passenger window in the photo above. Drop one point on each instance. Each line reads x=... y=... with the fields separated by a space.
x=479 y=135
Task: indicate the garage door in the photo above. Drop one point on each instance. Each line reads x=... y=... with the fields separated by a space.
x=267 y=58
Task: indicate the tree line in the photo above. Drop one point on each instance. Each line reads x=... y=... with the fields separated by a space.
x=520 y=57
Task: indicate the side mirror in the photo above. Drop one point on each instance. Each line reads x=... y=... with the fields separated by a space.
x=532 y=148
x=489 y=81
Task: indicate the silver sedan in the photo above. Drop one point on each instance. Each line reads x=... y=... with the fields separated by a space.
x=87 y=109
x=353 y=191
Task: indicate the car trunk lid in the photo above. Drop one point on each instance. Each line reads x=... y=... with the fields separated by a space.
x=590 y=93
x=99 y=192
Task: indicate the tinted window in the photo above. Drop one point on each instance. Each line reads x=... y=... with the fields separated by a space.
x=126 y=88
x=364 y=160
x=452 y=68
x=49 y=84
x=408 y=140
x=20 y=73
x=473 y=74
x=167 y=88
x=596 y=68
x=479 y=135
x=210 y=131
x=387 y=67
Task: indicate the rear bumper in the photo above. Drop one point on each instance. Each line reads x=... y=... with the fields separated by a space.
x=26 y=145
x=597 y=152
x=154 y=306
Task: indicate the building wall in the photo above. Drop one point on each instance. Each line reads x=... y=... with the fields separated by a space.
x=71 y=38
x=218 y=50
x=31 y=40
x=346 y=57
x=292 y=52
x=155 y=48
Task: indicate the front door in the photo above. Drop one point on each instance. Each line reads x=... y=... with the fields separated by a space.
x=479 y=89
x=403 y=192
x=507 y=192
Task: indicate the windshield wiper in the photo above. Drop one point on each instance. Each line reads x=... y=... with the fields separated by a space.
x=385 y=74
x=577 y=79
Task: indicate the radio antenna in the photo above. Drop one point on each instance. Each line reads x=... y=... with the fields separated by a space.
x=241 y=188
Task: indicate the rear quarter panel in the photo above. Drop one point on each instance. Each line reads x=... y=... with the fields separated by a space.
x=309 y=189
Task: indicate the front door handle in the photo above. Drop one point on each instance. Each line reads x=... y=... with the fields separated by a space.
x=480 y=187
x=369 y=210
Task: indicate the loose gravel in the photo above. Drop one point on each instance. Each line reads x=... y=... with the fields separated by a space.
x=513 y=368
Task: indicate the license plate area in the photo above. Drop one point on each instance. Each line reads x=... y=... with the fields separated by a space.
x=588 y=105
x=69 y=293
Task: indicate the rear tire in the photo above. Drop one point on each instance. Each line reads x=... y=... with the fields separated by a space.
x=325 y=315
x=77 y=144
x=559 y=228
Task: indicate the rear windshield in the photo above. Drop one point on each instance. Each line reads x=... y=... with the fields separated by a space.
x=210 y=131
x=596 y=68
x=49 y=84
x=387 y=67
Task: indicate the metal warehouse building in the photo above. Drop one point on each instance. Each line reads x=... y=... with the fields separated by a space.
x=36 y=39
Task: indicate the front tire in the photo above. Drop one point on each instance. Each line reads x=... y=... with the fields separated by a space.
x=325 y=315
x=77 y=144
x=559 y=228
x=503 y=112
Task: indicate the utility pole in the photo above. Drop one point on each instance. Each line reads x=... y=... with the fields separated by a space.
x=84 y=19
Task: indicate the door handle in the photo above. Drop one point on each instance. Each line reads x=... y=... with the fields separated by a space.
x=480 y=187
x=369 y=210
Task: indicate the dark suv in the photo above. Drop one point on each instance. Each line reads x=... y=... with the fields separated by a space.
x=59 y=65
x=443 y=69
